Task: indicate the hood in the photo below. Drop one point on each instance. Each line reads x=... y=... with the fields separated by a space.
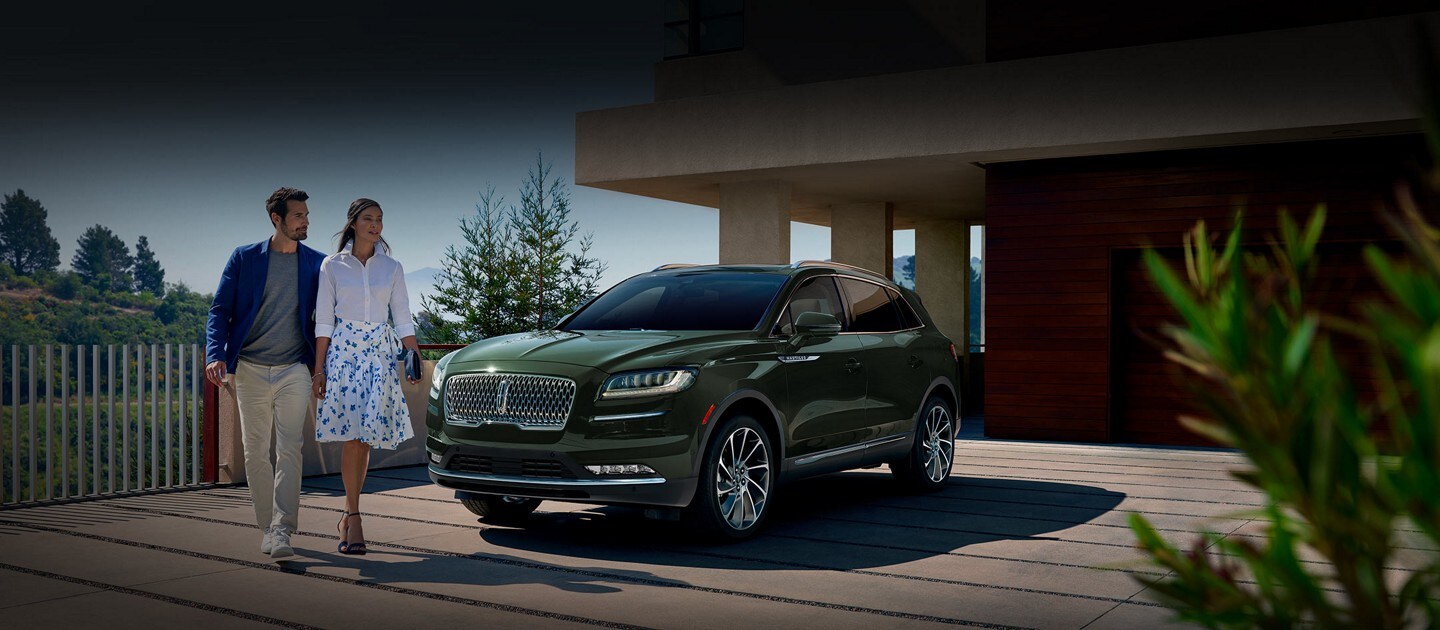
x=603 y=350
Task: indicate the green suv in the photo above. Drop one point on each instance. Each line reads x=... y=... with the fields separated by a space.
x=702 y=388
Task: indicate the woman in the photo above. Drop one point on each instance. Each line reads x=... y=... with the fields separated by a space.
x=359 y=387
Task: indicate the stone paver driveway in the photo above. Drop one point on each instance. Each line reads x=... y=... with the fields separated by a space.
x=1027 y=535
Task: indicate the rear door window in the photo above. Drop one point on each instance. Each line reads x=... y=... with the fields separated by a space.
x=874 y=311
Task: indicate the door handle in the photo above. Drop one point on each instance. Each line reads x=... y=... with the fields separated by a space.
x=852 y=366
x=916 y=362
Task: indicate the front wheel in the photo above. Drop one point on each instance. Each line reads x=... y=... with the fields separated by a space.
x=736 y=481
x=927 y=466
x=501 y=510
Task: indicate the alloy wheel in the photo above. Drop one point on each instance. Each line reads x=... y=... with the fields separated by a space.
x=938 y=444
x=742 y=478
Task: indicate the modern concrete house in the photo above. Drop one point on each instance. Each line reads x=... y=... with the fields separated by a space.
x=1076 y=133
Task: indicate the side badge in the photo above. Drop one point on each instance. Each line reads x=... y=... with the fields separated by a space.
x=797 y=358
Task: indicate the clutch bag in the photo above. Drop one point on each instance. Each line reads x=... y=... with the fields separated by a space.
x=411 y=359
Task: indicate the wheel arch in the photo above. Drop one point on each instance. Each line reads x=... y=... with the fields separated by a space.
x=750 y=402
x=945 y=389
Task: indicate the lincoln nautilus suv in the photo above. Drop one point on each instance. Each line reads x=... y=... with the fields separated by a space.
x=694 y=391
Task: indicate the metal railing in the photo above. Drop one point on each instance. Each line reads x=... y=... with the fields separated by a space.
x=128 y=419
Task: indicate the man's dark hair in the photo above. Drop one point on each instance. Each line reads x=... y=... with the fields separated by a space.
x=276 y=203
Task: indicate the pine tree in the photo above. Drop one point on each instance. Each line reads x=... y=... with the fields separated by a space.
x=149 y=276
x=475 y=280
x=25 y=240
x=521 y=268
x=103 y=260
x=552 y=279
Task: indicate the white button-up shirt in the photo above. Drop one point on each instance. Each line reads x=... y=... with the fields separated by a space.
x=362 y=292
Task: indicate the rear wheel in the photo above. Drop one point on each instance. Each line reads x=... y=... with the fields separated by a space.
x=736 y=481
x=501 y=510
x=927 y=466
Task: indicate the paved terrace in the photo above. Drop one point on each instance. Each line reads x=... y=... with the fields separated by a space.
x=1027 y=535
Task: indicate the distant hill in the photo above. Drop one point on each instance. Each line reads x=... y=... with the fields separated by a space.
x=420 y=283
x=897 y=267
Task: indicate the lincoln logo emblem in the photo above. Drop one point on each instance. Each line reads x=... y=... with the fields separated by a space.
x=502 y=396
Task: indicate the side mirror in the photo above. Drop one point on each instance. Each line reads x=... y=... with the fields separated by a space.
x=814 y=323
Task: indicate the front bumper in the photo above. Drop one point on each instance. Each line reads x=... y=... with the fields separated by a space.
x=656 y=491
x=506 y=459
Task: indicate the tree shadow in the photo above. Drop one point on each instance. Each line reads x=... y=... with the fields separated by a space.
x=845 y=521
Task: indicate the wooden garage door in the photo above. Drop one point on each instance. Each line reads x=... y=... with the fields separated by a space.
x=1150 y=393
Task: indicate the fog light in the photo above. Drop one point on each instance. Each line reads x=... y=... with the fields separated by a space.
x=621 y=469
x=436 y=457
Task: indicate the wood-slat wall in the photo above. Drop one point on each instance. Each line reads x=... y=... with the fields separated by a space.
x=1055 y=227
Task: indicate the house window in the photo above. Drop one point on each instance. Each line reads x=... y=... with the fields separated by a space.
x=698 y=27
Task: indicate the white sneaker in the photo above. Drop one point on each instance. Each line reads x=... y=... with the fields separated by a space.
x=280 y=544
x=267 y=542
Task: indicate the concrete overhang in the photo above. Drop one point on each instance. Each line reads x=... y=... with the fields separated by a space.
x=918 y=139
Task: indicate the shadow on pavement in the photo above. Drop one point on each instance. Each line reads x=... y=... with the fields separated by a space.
x=413 y=570
x=845 y=521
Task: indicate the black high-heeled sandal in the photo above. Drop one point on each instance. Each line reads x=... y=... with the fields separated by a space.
x=344 y=529
x=349 y=548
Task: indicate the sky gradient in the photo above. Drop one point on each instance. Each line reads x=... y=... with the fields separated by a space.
x=154 y=119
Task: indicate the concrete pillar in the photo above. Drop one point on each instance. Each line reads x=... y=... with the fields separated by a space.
x=860 y=235
x=942 y=276
x=755 y=223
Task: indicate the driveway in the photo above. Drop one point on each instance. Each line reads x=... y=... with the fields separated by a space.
x=1027 y=535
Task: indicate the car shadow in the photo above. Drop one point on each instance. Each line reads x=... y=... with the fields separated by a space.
x=853 y=520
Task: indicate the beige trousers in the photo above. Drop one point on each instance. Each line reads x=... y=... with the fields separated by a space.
x=273 y=401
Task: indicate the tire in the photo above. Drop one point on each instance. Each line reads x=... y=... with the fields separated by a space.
x=500 y=510
x=927 y=467
x=732 y=501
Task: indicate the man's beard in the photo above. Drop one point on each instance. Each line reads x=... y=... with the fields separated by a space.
x=296 y=235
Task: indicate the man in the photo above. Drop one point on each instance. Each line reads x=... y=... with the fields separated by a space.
x=262 y=330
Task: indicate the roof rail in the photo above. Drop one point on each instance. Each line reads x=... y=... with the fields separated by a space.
x=674 y=266
x=827 y=263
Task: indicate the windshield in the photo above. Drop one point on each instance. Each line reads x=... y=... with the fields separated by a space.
x=685 y=301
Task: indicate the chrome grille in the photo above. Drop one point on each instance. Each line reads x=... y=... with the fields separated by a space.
x=527 y=400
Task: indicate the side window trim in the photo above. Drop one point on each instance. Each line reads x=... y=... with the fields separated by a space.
x=847 y=308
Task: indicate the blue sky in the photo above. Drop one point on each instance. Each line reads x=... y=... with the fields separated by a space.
x=184 y=152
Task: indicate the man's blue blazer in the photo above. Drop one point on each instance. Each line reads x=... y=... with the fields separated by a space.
x=237 y=300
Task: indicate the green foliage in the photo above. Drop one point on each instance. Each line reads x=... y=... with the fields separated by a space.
x=520 y=268
x=64 y=286
x=103 y=260
x=1273 y=388
x=25 y=241
x=1345 y=479
x=84 y=315
x=149 y=276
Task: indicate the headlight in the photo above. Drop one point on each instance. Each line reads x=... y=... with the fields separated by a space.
x=437 y=378
x=647 y=383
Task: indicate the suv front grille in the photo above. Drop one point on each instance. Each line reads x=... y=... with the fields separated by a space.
x=509 y=466
x=527 y=400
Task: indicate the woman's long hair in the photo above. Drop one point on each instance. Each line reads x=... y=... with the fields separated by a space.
x=347 y=233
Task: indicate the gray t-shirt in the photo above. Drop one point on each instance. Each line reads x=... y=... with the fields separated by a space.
x=275 y=337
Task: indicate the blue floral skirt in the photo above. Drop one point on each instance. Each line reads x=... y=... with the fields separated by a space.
x=363 y=400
